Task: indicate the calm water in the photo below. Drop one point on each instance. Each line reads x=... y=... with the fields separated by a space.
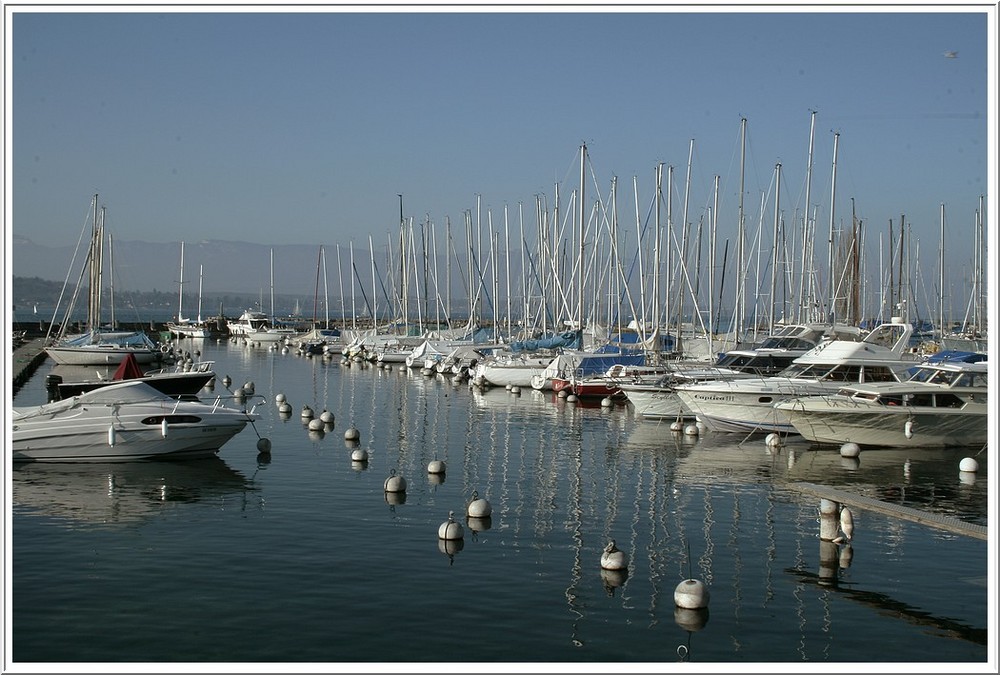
x=303 y=558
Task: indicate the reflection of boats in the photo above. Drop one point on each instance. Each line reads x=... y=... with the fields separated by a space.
x=120 y=492
x=181 y=380
x=942 y=404
x=126 y=420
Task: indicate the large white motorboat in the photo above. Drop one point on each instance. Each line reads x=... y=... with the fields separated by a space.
x=250 y=321
x=942 y=404
x=126 y=421
x=658 y=400
x=746 y=405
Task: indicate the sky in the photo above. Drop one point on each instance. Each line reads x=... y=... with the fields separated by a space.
x=305 y=127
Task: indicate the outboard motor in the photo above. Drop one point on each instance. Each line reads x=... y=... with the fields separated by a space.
x=52 y=383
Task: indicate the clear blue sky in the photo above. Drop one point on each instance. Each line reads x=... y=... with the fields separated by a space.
x=304 y=127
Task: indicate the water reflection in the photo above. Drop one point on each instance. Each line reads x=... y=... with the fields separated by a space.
x=121 y=492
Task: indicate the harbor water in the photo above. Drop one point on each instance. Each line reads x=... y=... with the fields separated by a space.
x=300 y=556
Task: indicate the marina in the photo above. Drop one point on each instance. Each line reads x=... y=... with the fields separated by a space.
x=302 y=555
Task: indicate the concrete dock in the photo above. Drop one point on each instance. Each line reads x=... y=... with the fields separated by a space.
x=25 y=360
x=894 y=510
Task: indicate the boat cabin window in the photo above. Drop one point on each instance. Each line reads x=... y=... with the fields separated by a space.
x=970 y=380
x=949 y=401
x=921 y=400
x=892 y=399
x=843 y=374
x=879 y=374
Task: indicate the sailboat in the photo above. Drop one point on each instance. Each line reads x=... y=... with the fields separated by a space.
x=98 y=345
x=184 y=327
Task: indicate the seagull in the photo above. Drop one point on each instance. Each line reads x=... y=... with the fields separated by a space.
x=951 y=55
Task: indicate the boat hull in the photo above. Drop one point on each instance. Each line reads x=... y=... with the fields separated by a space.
x=829 y=422
x=99 y=355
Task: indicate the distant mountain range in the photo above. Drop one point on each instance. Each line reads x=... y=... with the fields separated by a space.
x=228 y=267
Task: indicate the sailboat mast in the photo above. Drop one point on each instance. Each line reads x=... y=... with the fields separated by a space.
x=579 y=299
x=180 y=288
x=200 y=268
x=833 y=195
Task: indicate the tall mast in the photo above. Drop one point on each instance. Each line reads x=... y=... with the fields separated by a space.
x=833 y=195
x=774 y=244
x=579 y=299
x=180 y=288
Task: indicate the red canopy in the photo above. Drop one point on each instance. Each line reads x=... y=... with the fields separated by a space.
x=128 y=369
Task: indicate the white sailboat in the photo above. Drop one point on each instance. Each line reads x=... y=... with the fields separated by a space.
x=184 y=327
x=97 y=345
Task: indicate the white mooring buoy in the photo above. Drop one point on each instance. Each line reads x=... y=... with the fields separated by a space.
x=850 y=450
x=395 y=483
x=316 y=424
x=436 y=466
x=352 y=434
x=359 y=455
x=691 y=594
x=968 y=464
x=773 y=440
x=326 y=417
x=478 y=508
x=279 y=398
x=450 y=529
x=613 y=558
x=307 y=412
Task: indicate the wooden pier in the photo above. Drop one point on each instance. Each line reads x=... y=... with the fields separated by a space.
x=894 y=510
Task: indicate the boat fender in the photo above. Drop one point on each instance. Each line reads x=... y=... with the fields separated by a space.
x=112 y=437
x=163 y=427
x=908 y=428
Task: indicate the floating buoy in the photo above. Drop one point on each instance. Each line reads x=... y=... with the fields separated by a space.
x=606 y=402
x=850 y=450
x=772 y=440
x=691 y=430
x=395 y=483
x=359 y=455
x=572 y=398
x=450 y=529
x=163 y=428
x=478 y=508
x=112 y=436
x=612 y=558
x=326 y=417
x=515 y=390
x=279 y=398
x=351 y=434
x=968 y=464
x=307 y=412
x=562 y=393
x=436 y=466
x=847 y=523
x=676 y=425
x=691 y=594
x=248 y=387
x=316 y=424
x=264 y=445
x=285 y=408
x=226 y=381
